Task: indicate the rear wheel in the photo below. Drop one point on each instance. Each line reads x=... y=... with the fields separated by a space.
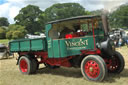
x=27 y=65
x=93 y=68
x=116 y=63
x=35 y=65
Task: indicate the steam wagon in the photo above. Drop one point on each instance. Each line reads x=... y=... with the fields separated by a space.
x=80 y=42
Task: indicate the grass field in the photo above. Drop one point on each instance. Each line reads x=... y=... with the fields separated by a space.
x=10 y=75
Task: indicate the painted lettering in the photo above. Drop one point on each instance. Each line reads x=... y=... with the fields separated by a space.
x=77 y=43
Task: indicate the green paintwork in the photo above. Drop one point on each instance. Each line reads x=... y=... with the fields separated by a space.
x=38 y=44
x=69 y=47
x=75 y=45
x=58 y=48
x=14 y=46
x=25 y=45
x=49 y=41
x=28 y=45
x=99 y=35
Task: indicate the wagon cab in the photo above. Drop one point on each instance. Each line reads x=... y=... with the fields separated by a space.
x=69 y=37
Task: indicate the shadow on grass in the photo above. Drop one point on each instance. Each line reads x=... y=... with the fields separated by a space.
x=112 y=77
x=62 y=71
x=76 y=73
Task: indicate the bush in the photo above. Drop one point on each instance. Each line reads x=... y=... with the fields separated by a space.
x=16 y=32
x=17 y=35
x=37 y=33
x=2 y=33
x=9 y=35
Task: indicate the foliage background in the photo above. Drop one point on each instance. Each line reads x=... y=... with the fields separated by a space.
x=31 y=19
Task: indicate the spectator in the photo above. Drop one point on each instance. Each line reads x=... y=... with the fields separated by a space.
x=120 y=42
x=127 y=42
x=115 y=42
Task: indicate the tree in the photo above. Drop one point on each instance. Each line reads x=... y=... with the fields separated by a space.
x=4 y=21
x=17 y=35
x=97 y=12
x=2 y=33
x=28 y=17
x=9 y=35
x=15 y=32
x=64 y=10
x=119 y=18
x=42 y=21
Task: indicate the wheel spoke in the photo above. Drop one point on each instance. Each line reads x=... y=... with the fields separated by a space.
x=23 y=65
x=92 y=69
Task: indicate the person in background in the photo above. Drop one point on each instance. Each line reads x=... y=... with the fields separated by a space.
x=115 y=42
x=127 y=42
x=120 y=42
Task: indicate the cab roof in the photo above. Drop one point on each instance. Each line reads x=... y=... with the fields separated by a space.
x=75 y=18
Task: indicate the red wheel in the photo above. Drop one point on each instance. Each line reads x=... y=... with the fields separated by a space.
x=27 y=65
x=23 y=65
x=93 y=68
x=115 y=64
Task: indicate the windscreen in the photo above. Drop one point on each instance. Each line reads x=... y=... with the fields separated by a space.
x=75 y=28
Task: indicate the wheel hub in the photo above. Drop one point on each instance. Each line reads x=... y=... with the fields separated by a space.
x=92 y=69
x=112 y=64
x=23 y=65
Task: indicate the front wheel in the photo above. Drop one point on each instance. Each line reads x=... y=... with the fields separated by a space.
x=116 y=63
x=93 y=68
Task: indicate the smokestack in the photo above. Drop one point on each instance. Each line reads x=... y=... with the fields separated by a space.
x=105 y=21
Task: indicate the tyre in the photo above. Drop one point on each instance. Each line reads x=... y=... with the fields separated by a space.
x=27 y=65
x=93 y=68
x=35 y=65
x=116 y=63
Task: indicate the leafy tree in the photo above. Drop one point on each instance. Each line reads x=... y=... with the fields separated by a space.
x=28 y=17
x=42 y=21
x=119 y=18
x=37 y=33
x=17 y=35
x=97 y=12
x=15 y=32
x=4 y=21
x=2 y=33
x=9 y=35
x=64 y=10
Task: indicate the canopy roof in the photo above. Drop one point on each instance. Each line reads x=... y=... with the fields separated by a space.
x=75 y=18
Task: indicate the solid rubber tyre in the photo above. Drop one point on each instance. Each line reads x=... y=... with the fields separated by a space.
x=35 y=65
x=121 y=63
x=93 y=68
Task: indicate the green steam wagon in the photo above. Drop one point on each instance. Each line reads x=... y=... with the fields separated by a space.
x=81 y=42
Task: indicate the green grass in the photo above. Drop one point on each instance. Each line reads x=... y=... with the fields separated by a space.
x=4 y=41
x=10 y=75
